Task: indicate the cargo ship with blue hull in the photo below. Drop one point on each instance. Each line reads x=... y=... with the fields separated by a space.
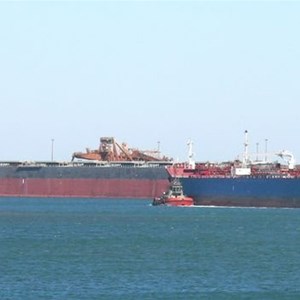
x=112 y=171
x=245 y=183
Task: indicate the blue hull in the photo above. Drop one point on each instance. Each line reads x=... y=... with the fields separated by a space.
x=244 y=191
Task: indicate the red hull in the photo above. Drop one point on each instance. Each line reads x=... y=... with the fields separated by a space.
x=173 y=201
x=179 y=202
x=94 y=188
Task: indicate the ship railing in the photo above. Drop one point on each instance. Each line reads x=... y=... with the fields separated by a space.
x=208 y=176
x=86 y=163
x=121 y=163
x=10 y=163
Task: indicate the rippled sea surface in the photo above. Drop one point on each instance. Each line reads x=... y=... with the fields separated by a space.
x=127 y=249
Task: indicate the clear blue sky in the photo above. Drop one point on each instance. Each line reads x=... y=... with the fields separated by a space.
x=145 y=72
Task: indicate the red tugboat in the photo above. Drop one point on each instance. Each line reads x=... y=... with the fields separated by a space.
x=174 y=196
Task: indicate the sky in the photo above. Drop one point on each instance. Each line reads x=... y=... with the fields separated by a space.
x=149 y=73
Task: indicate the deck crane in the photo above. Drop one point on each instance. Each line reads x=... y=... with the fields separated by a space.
x=288 y=157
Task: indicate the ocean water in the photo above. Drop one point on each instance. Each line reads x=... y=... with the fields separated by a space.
x=127 y=249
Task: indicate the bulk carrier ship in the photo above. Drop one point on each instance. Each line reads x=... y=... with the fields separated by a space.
x=113 y=170
x=246 y=182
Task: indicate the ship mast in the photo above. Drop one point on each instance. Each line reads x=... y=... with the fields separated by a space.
x=246 y=154
x=191 y=155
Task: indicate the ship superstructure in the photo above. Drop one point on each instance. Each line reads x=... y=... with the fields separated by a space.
x=110 y=150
